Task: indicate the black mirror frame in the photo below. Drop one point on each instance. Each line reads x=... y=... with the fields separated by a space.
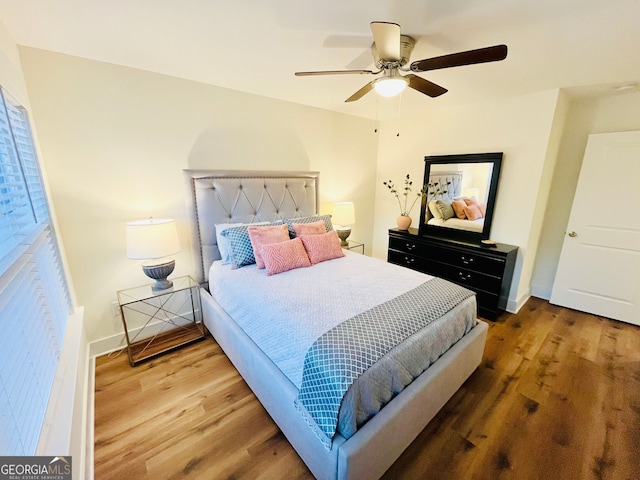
x=452 y=233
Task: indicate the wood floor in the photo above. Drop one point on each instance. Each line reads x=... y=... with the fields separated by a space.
x=557 y=396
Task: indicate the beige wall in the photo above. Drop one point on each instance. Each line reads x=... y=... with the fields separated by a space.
x=11 y=77
x=616 y=113
x=115 y=141
x=521 y=127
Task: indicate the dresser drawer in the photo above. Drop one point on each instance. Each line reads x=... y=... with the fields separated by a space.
x=411 y=261
x=486 y=300
x=472 y=279
x=471 y=261
x=406 y=246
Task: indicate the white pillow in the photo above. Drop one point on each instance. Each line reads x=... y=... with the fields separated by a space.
x=223 y=243
x=433 y=208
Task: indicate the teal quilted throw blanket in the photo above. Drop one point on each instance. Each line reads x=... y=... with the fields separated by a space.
x=338 y=357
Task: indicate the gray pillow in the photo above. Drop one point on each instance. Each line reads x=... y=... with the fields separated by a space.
x=446 y=210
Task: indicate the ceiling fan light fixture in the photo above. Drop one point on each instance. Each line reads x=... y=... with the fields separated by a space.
x=390 y=86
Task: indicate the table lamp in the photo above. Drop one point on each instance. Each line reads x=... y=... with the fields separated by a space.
x=153 y=240
x=343 y=216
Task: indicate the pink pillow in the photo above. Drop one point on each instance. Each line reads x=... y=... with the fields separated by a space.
x=472 y=212
x=283 y=256
x=458 y=208
x=322 y=247
x=265 y=235
x=313 y=228
x=481 y=206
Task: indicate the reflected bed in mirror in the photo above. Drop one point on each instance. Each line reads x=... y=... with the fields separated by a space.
x=461 y=195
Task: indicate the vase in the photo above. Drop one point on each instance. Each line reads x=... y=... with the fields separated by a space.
x=404 y=222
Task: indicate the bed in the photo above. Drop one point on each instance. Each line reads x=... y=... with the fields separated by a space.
x=217 y=197
x=447 y=189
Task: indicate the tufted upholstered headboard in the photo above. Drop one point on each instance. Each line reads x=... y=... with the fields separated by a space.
x=242 y=196
x=453 y=190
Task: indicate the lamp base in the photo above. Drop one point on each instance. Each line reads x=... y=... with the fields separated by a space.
x=343 y=235
x=159 y=273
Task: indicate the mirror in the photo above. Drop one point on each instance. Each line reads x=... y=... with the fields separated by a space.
x=460 y=196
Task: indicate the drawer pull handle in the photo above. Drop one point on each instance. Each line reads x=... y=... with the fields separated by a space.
x=466 y=260
x=411 y=246
x=464 y=277
x=409 y=259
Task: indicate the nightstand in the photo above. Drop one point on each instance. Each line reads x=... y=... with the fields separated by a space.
x=353 y=245
x=157 y=322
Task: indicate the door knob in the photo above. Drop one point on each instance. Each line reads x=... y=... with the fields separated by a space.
x=573 y=234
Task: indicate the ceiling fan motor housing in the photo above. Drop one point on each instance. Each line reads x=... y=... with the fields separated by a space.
x=406 y=47
x=391 y=51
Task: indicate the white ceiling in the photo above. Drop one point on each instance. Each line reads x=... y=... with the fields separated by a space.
x=256 y=46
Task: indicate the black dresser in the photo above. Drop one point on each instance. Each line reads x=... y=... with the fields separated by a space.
x=486 y=271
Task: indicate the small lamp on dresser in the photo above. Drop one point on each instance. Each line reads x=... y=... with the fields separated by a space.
x=344 y=215
x=154 y=240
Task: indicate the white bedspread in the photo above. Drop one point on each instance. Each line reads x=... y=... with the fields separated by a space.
x=271 y=309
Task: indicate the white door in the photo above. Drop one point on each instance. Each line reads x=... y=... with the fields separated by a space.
x=599 y=267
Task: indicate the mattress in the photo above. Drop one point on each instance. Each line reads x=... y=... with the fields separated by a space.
x=285 y=314
x=459 y=224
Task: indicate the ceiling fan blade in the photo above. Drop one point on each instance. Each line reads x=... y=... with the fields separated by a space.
x=333 y=72
x=470 y=57
x=361 y=93
x=386 y=36
x=425 y=86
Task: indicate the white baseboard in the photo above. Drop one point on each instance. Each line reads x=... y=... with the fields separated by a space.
x=514 y=306
x=109 y=344
x=106 y=345
x=541 y=291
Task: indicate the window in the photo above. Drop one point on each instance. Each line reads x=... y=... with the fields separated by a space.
x=34 y=297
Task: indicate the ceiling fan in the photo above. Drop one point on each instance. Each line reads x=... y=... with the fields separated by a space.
x=391 y=52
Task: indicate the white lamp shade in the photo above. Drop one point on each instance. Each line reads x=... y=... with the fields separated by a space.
x=343 y=213
x=390 y=86
x=152 y=238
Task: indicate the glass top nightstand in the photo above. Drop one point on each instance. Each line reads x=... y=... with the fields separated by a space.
x=353 y=245
x=159 y=321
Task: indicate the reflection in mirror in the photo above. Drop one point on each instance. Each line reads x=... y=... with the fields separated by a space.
x=460 y=196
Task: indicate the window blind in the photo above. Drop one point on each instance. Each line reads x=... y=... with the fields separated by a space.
x=34 y=297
